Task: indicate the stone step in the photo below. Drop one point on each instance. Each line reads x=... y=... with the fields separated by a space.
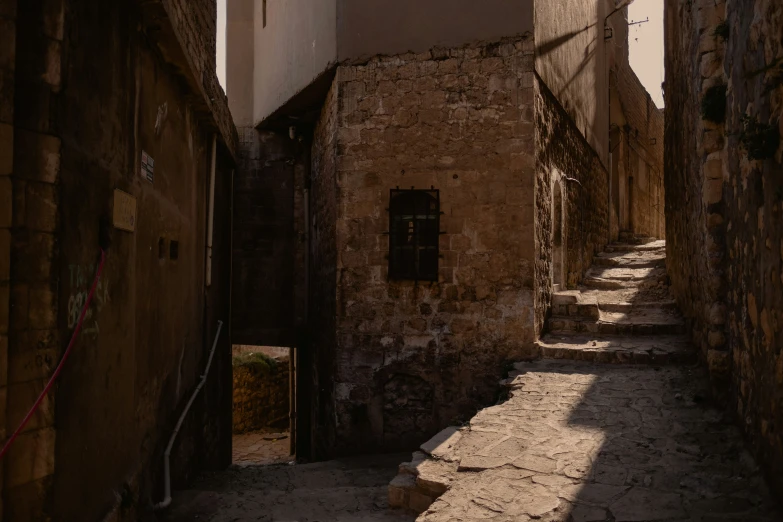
x=629 y=260
x=625 y=274
x=615 y=349
x=638 y=322
x=630 y=307
x=627 y=247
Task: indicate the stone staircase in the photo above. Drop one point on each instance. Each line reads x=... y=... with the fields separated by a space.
x=622 y=312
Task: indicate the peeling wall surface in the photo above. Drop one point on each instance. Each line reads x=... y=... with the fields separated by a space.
x=724 y=189
x=412 y=357
x=85 y=116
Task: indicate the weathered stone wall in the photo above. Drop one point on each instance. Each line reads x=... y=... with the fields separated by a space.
x=413 y=357
x=724 y=182
x=7 y=67
x=265 y=242
x=261 y=396
x=92 y=92
x=753 y=196
x=693 y=177
x=321 y=353
x=640 y=154
x=565 y=158
x=34 y=340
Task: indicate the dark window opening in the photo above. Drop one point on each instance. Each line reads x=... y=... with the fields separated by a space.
x=414 y=229
x=161 y=248
x=174 y=250
x=263 y=14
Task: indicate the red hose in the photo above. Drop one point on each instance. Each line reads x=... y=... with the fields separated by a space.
x=62 y=361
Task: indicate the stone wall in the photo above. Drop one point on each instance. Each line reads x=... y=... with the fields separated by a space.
x=565 y=158
x=724 y=195
x=321 y=351
x=92 y=91
x=638 y=192
x=693 y=176
x=753 y=196
x=413 y=357
x=261 y=395
x=265 y=239
x=7 y=66
x=34 y=339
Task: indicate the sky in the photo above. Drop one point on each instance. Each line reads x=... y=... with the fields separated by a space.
x=221 y=42
x=646 y=46
x=645 y=40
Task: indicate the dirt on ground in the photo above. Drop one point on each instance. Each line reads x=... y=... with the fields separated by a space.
x=347 y=490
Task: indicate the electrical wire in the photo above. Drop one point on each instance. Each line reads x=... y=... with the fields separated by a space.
x=60 y=366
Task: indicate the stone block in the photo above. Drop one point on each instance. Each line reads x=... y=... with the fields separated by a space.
x=5 y=308
x=399 y=490
x=3 y=367
x=31 y=458
x=38 y=156
x=25 y=366
x=713 y=191
x=5 y=255
x=43 y=307
x=442 y=445
x=6 y=150
x=41 y=207
x=21 y=397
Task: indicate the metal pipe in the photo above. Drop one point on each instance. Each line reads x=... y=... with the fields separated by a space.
x=211 y=212
x=167 y=454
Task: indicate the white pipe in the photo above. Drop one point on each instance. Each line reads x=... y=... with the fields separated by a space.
x=211 y=212
x=167 y=453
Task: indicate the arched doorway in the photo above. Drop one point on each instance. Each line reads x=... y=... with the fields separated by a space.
x=558 y=239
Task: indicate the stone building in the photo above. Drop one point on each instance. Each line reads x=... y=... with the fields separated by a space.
x=415 y=178
x=111 y=118
x=724 y=199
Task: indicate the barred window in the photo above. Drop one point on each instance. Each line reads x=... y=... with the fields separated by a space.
x=414 y=228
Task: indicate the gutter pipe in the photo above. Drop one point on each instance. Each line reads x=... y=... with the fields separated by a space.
x=167 y=454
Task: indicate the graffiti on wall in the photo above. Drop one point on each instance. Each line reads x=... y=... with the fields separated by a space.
x=81 y=277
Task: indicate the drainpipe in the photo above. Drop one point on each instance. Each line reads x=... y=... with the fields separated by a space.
x=167 y=454
x=211 y=212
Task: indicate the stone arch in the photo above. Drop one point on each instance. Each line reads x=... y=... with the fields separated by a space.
x=558 y=236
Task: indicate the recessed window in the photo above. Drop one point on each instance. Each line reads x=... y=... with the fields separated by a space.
x=161 y=248
x=174 y=250
x=263 y=13
x=414 y=228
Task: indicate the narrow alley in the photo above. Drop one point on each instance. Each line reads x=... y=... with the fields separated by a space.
x=613 y=424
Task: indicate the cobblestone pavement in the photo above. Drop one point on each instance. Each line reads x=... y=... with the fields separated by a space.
x=583 y=442
x=580 y=440
x=349 y=490
x=261 y=447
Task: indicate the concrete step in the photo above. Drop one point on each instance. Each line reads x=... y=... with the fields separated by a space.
x=616 y=349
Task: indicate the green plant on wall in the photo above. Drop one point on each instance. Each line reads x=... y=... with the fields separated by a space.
x=759 y=140
x=713 y=105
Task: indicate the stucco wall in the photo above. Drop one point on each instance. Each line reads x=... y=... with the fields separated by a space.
x=298 y=43
x=571 y=59
x=413 y=357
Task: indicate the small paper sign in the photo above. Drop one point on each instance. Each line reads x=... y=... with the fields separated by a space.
x=124 y=211
x=147 y=167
